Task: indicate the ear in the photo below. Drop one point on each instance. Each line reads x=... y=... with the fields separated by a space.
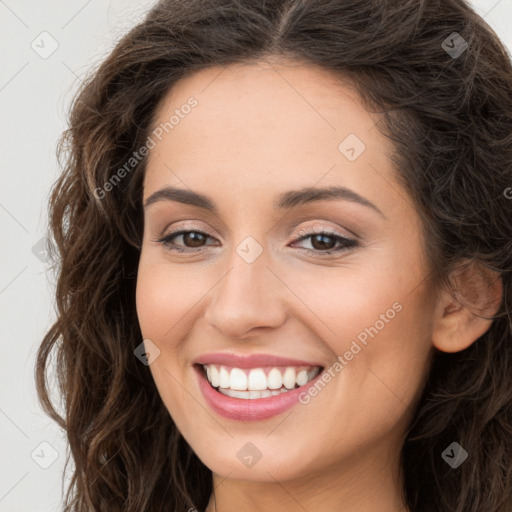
x=464 y=314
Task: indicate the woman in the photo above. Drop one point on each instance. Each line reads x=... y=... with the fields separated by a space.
x=284 y=244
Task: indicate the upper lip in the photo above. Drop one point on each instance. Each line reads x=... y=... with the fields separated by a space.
x=251 y=361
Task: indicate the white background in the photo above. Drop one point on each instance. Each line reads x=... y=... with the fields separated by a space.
x=34 y=98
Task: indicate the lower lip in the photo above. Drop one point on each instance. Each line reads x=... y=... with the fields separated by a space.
x=252 y=409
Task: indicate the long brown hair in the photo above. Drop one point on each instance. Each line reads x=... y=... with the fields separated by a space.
x=447 y=107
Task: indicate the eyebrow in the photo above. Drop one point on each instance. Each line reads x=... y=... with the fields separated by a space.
x=286 y=200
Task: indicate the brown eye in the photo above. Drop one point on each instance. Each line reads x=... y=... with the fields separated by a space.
x=321 y=242
x=326 y=242
x=191 y=240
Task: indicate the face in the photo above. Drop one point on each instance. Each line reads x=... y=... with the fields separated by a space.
x=252 y=280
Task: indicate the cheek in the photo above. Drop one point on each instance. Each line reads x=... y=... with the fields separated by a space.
x=162 y=298
x=384 y=352
x=349 y=304
x=377 y=326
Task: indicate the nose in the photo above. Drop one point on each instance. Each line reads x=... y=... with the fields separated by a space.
x=248 y=297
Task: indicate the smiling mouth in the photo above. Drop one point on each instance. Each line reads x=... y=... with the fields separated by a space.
x=261 y=382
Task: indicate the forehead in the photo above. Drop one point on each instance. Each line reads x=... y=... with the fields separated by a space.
x=266 y=96
x=267 y=125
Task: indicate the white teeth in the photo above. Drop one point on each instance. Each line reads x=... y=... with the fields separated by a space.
x=249 y=394
x=258 y=382
x=257 y=379
x=223 y=378
x=237 y=379
x=289 y=378
x=302 y=377
x=214 y=376
x=274 y=379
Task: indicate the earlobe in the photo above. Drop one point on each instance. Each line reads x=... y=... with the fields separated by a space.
x=466 y=315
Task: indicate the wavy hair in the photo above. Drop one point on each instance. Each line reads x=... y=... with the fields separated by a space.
x=450 y=122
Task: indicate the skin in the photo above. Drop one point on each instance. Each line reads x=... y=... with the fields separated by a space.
x=260 y=130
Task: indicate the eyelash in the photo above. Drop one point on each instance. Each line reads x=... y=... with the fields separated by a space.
x=348 y=243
